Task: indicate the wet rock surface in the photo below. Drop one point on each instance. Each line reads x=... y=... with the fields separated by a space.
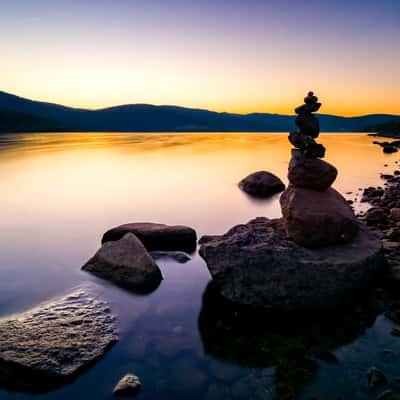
x=254 y=264
x=178 y=256
x=127 y=386
x=157 y=237
x=314 y=219
x=261 y=184
x=127 y=263
x=48 y=345
x=383 y=218
x=311 y=173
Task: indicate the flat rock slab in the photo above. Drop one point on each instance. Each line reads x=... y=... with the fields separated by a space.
x=47 y=345
x=253 y=264
x=261 y=184
x=157 y=237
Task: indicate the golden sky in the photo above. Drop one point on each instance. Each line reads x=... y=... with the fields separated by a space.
x=258 y=57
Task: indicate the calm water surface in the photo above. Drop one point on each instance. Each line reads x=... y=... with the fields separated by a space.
x=60 y=192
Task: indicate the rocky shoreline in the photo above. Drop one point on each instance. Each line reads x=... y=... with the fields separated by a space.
x=383 y=218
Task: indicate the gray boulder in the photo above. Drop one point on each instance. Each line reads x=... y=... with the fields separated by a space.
x=253 y=264
x=157 y=237
x=315 y=219
x=49 y=344
x=127 y=263
x=261 y=184
x=311 y=173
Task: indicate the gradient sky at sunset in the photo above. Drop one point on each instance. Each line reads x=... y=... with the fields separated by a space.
x=236 y=55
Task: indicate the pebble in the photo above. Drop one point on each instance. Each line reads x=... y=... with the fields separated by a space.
x=128 y=385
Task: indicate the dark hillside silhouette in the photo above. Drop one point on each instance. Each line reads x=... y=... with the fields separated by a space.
x=18 y=114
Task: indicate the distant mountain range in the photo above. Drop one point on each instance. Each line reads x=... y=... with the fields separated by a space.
x=18 y=114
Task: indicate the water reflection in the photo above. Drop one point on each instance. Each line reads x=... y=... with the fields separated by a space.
x=61 y=192
x=291 y=343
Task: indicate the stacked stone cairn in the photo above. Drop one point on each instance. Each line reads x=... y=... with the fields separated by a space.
x=316 y=257
x=314 y=213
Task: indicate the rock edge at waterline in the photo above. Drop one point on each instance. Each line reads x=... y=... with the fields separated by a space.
x=254 y=264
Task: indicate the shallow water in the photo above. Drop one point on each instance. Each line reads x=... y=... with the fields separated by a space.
x=61 y=192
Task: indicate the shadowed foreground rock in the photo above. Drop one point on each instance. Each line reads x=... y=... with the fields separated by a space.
x=253 y=264
x=126 y=263
x=48 y=345
x=261 y=184
x=157 y=237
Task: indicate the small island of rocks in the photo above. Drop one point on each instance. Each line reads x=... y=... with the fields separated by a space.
x=317 y=256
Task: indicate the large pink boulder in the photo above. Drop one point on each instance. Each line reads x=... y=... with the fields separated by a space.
x=317 y=219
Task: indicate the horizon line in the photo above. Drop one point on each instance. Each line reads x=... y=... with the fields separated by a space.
x=183 y=107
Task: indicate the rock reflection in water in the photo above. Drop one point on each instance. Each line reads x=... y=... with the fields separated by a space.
x=291 y=343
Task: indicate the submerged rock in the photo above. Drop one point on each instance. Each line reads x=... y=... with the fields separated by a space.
x=128 y=385
x=254 y=264
x=316 y=219
x=261 y=184
x=49 y=344
x=389 y=149
x=178 y=256
x=157 y=237
x=126 y=263
x=376 y=378
x=311 y=173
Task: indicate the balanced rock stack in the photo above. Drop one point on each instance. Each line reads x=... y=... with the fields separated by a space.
x=317 y=256
x=314 y=214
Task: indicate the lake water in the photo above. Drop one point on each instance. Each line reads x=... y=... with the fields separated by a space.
x=61 y=192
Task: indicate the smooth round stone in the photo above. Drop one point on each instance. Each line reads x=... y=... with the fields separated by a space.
x=261 y=184
x=311 y=173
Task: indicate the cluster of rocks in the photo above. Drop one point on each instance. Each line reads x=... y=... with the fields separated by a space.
x=124 y=257
x=383 y=218
x=49 y=345
x=317 y=255
x=389 y=147
x=308 y=125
